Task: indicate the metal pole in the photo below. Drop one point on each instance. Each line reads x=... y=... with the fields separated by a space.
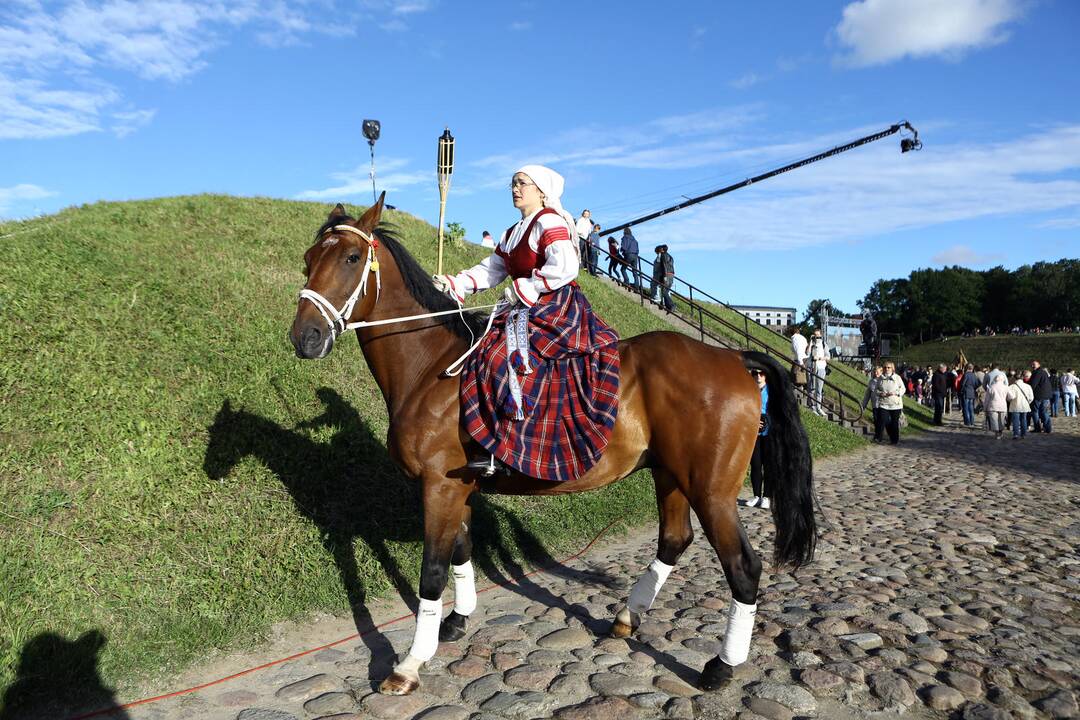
x=765 y=176
x=374 y=195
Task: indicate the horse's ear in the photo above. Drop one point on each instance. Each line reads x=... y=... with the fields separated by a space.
x=370 y=219
x=338 y=211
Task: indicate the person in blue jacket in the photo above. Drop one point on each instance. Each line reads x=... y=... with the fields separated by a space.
x=759 y=482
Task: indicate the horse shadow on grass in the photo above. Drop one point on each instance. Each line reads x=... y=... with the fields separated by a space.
x=57 y=677
x=350 y=489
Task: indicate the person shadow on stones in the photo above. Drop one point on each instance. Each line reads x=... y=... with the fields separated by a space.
x=57 y=677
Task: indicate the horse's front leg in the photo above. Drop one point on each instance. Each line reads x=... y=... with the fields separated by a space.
x=444 y=507
x=456 y=623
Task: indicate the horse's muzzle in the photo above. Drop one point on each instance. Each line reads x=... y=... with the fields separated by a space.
x=312 y=343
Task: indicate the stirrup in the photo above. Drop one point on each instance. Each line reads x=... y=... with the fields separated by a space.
x=488 y=466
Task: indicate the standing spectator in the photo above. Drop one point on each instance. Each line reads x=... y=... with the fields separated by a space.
x=666 y=263
x=939 y=388
x=614 y=258
x=594 y=249
x=799 y=345
x=818 y=368
x=989 y=377
x=953 y=383
x=629 y=249
x=1069 y=392
x=657 y=276
x=981 y=375
x=969 y=386
x=1019 y=401
x=871 y=397
x=761 y=483
x=997 y=404
x=1055 y=399
x=583 y=227
x=1040 y=387
x=487 y=241
x=890 y=392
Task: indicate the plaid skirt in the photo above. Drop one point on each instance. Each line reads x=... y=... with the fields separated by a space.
x=570 y=398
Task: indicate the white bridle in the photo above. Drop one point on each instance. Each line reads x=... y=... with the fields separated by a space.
x=338 y=320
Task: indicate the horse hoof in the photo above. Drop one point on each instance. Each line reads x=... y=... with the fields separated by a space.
x=716 y=675
x=621 y=630
x=398 y=684
x=453 y=627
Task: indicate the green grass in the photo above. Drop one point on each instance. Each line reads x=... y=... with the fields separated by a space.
x=1061 y=351
x=173 y=476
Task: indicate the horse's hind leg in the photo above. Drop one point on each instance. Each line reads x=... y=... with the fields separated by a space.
x=454 y=625
x=675 y=537
x=743 y=571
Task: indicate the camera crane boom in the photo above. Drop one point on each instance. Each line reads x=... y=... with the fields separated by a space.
x=906 y=144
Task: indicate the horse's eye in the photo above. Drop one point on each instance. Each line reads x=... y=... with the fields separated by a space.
x=352 y=259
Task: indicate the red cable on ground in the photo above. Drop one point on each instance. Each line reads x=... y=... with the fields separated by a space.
x=354 y=636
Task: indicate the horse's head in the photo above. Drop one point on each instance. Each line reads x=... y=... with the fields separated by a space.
x=338 y=267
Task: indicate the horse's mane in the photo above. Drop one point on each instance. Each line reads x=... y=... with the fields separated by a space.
x=418 y=281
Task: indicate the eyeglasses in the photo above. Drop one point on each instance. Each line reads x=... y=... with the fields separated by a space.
x=516 y=184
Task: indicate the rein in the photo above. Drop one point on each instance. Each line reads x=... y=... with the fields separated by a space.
x=338 y=320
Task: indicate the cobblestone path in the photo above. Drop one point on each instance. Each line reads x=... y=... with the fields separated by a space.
x=948 y=586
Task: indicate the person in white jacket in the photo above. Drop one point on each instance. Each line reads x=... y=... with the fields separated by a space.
x=1019 y=399
x=890 y=394
x=996 y=404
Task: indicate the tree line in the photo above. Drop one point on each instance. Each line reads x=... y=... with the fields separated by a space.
x=953 y=300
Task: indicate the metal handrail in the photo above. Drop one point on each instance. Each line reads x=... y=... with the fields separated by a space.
x=744 y=332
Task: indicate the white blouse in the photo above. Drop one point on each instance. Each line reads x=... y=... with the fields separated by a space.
x=550 y=237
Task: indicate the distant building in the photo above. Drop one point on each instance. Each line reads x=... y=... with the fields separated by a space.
x=777 y=318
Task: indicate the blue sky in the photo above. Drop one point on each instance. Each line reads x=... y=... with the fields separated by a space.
x=637 y=104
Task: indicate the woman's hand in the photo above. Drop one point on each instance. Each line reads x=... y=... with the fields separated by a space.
x=510 y=296
x=442 y=283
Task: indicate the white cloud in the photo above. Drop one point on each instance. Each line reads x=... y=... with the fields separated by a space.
x=881 y=31
x=745 y=81
x=9 y=196
x=1060 y=223
x=520 y=25
x=965 y=256
x=662 y=142
x=52 y=55
x=391 y=175
x=875 y=190
x=125 y=123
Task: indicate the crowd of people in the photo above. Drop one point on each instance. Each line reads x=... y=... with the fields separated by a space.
x=989 y=331
x=1022 y=400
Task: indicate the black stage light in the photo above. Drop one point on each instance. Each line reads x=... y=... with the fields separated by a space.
x=371 y=131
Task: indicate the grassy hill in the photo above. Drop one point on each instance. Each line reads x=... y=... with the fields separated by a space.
x=174 y=478
x=1059 y=351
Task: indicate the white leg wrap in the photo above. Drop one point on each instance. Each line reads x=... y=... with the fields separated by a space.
x=426 y=639
x=464 y=589
x=740 y=626
x=648 y=586
x=409 y=667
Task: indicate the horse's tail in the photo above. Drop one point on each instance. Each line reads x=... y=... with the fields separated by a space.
x=788 y=463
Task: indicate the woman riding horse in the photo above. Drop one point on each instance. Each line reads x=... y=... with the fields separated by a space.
x=540 y=394
x=687 y=411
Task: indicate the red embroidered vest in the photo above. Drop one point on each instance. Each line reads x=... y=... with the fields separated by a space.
x=522 y=260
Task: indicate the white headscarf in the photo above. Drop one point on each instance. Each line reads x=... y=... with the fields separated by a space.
x=551 y=185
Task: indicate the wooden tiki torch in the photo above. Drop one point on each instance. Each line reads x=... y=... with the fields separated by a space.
x=444 y=169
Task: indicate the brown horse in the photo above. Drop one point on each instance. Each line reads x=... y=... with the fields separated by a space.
x=687 y=411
